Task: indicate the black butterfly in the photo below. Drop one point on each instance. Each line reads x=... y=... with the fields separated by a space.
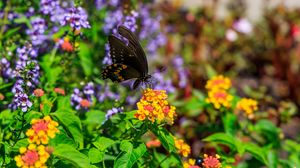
x=129 y=60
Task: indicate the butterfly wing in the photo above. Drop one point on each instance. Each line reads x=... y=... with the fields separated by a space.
x=120 y=72
x=123 y=54
x=135 y=46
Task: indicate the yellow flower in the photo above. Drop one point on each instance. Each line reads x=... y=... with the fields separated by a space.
x=42 y=130
x=190 y=163
x=219 y=98
x=182 y=148
x=218 y=82
x=32 y=156
x=154 y=106
x=248 y=106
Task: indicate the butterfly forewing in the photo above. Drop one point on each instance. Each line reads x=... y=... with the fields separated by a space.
x=121 y=53
x=135 y=46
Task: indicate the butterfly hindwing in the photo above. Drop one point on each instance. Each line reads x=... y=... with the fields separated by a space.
x=119 y=72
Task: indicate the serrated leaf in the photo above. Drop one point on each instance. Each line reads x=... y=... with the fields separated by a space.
x=95 y=155
x=128 y=158
x=21 y=143
x=126 y=146
x=95 y=117
x=102 y=143
x=71 y=155
x=64 y=103
x=72 y=125
x=62 y=138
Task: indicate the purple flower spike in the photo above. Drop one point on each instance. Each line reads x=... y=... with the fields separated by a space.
x=76 y=17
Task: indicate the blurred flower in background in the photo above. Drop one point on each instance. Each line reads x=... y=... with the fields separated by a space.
x=243 y=26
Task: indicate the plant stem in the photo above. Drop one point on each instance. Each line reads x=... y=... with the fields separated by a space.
x=20 y=131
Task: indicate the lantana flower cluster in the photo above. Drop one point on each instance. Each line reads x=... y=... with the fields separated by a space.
x=37 y=154
x=248 y=106
x=218 y=92
x=42 y=130
x=182 y=148
x=32 y=156
x=155 y=107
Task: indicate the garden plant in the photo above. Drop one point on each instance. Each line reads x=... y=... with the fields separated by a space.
x=209 y=92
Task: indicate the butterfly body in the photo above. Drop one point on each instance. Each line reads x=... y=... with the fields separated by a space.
x=128 y=57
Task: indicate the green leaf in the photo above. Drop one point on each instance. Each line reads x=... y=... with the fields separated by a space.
x=256 y=152
x=21 y=143
x=127 y=158
x=230 y=124
x=210 y=71
x=62 y=138
x=95 y=155
x=268 y=130
x=63 y=103
x=11 y=32
x=126 y=146
x=272 y=159
x=71 y=155
x=102 y=143
x=95 y=117
x=222 y=138
x=240 y=146
x=52 y=74
x=86 y=59
x=165 y=137
x=71 y=124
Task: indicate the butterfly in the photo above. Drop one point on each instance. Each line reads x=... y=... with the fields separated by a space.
x=129 y=59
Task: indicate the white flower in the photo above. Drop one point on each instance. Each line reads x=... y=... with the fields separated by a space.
x=243 y=26
x=231 y=35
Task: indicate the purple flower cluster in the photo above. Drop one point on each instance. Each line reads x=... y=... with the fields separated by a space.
x=10 y=16
x=161 y=83
x=131 y=100
x=5 y=69
x=112 y=20
x=76 y=17
x=21 y=100
x=78 y=96
x=130 y=21
x=107 y=58
x=48 y=7
x=112 y=112
x=37 y=32
x=182 y=73
x=104 y=3
x=27 y=77
x=104 y=92
x=25 y=54
x=151 y=30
